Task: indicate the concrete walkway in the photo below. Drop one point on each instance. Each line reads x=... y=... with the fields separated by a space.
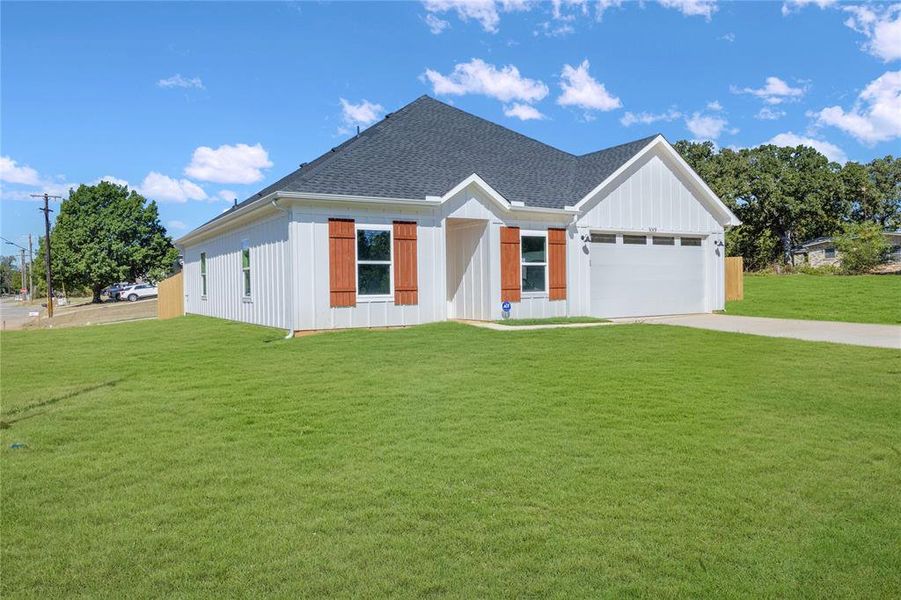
x=857 y=334
x=500 y=327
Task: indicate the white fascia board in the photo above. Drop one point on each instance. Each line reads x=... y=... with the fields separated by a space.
x=503 y=203
x=428 y=201
x=227 y=221
x=729 y=219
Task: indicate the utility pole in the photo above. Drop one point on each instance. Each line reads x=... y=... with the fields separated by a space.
x=30 y=269
x=22 y=270
x=46 y=210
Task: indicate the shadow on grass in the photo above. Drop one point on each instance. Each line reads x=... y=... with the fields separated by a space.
x=7 y=423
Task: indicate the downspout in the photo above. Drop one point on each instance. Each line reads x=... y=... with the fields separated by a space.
x=287 y=212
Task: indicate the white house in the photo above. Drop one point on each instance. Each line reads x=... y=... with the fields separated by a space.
x=436 y=214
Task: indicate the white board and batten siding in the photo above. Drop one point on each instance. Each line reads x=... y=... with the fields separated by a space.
x=651 y=197
x=310 y=241
x=269 y=274
x=482 y=275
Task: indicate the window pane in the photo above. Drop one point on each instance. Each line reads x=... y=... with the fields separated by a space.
x=687 y=241
x=635 y=239
x=533 y=249
x=245 y=258
x=533 y=278
x=203 y=285
x=662 y=240
x=247 y=283
x=203 y=262
x=374 y=279
x=603 y=238
x=373 y=244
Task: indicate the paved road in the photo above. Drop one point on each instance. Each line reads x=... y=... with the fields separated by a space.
x=13 y=314
x=857 y=334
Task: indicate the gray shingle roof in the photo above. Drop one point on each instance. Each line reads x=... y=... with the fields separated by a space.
x=427 y=147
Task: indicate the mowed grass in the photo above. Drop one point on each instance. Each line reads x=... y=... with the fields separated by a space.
x=853 y=298
x=202 y=458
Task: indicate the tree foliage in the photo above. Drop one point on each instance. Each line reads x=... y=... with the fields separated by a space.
x=862 y=246
x=106 y=233
x=786 y=195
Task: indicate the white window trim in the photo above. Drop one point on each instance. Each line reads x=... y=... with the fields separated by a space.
x=390 y=262
x=204 y=279
x=522 y=263
x=245 y=245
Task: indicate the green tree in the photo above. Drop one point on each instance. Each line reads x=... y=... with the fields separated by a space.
x=782 y=195
x=106 y=233
x=10 y=278
x=874 y=191
x=861 y=247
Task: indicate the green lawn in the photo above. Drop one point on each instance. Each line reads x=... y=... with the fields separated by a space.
x=551 y=321
x=201 y=458
x=854 y=298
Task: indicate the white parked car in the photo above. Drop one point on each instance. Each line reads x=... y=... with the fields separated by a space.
x=136 y=292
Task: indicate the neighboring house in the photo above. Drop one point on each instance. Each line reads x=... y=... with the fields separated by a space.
x=821 y=251
x=435 y=214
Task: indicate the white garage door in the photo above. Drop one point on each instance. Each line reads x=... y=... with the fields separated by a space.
x=637 y=275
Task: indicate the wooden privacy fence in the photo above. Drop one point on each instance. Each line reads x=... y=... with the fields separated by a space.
x=171 y=300
x=735 y=278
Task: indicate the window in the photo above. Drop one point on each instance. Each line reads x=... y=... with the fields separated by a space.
x=663 y=240
x=245 y=266
x=635 y=239
x=534 y=263
x=603 y=238
x=830 y=252
x=203 y=274
x=374 y=261
x=690 y=241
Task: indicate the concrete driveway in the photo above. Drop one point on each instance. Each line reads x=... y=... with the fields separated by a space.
x=857 y=334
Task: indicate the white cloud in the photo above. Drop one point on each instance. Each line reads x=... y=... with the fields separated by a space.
x=790 y=6
x=365 y=113
x=775 y=91
x=166 y=189
x=648 y=118
x=486 y=12
x=523 y=112
x=875 y=115
x=727 y=37
x=769 y=114
x=229 y=164
x=705 y=127
x=692 y=8
x=177 y=81
x=478 y=77
x=12 y=172
x=715 y=105
x=882 y=29
x=829 y=150
x=111 y=179
x=228 y=195
x=436 y=24
x=582 y=90
x=175 y=224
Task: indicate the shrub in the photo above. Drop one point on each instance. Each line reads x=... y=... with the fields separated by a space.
x=862 y=246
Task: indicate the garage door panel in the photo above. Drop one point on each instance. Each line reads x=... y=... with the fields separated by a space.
x=644 y=280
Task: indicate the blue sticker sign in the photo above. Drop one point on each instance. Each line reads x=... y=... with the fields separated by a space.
x=506 y=306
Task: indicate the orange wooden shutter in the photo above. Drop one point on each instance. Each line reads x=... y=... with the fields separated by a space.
x=342 y=270
x=406 y=276
x=556 y=260
x=511 y=266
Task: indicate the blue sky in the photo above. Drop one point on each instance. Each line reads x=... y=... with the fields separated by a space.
x=194 y=104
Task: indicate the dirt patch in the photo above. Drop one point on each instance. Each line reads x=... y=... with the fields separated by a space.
x=76 y=315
